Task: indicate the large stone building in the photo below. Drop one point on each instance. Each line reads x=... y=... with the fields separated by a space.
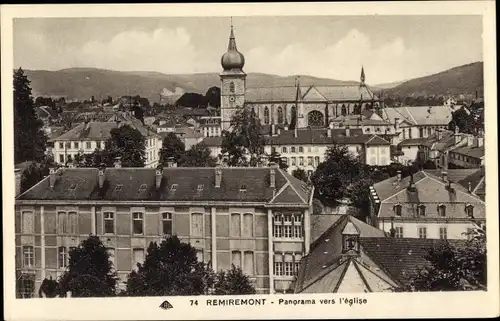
x=256 y=218
x=302 y=106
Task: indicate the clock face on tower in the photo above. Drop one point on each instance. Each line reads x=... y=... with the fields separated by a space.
x=231 y=99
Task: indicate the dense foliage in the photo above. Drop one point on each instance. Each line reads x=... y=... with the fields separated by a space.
x=198 y=155
x=467 y=122
x=172 y=268
x=29 y=138
x=172 y=147
x=90 y=272
x=243 y=144
x=300 y=174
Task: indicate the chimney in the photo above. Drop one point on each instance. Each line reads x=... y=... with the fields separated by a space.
x=444 y=176
x=218 y=176
x=399 y=175
x=278 y=131
x=101 y=175
x=347 y=131
x=295 y=132
x=329 y=132
x=52 y=177
x=439 y=133
x=272 y=179
x=480 y=141
x=470 y=187
x=17 y=173
x=118 y=162
x=411 y=185
x=457 y=136
x=158 y=176
x=396 y=124
x=470 y=140
x=273 y=129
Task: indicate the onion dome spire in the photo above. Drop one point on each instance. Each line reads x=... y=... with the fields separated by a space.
x=232 y=59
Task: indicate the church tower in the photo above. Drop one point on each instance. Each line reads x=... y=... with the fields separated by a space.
x=233 y=82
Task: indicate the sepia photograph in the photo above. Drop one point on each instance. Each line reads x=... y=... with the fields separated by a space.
x=232 y=159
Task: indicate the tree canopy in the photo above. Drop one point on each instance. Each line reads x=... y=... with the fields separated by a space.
x=468 y=122
x=243 y=144
x=213 y=96
x=198 y=155
x=90 y=272
x=300 y=174
x=193 y=100
x=275 y=157
x=172 y=147
x=29 y=138
x=232 y=282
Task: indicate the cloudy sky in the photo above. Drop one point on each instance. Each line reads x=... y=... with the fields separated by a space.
x=391 y=48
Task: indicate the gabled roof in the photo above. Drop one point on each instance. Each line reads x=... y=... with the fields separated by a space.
x=317 y=93
x=420 y=115
x=400 y=257
x=471 y=151
x=413 y=142
x=326 y=250
x=430 y=191
x=139 y=184
x=101 y=130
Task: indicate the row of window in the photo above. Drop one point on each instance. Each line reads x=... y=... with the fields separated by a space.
x=76 y=145
x=287 y=226
x=421 y=210
x=465 y=158
x=286 y=268
x=294 y=149
x=310 y=161
x=422 y=232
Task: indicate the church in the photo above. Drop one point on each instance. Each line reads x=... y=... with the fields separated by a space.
x=288 y=106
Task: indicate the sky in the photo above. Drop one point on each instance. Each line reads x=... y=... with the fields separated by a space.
x=391 y=48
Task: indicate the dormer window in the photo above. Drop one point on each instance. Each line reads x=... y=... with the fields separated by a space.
x=350 y=239
x=72 y=188
x=118 y=188
x=243 y=188
x=469 y=210
x=173 y=187
x=421 y=210
x=200 y=187
x=442 y=210
x=397 y=209
x=142 y=188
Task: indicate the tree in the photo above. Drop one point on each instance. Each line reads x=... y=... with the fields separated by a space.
x=172 y=147
x=35 y=172
x=170 y=268
x=212 y=96
x=453 y=267
x=243 y=144
x=90 y=271
x=317 y=207
x=128 y=144
x=232 y=282
x=29 y=138
x=198 y=155
x=333 y=176
x=300 y=174
x=275 y=157
x=48 y=288
x=193 y=100
x=468 y=123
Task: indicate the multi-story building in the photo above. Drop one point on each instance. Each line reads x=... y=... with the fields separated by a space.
x=210 y=126
x=255 y=218
x=307 y=148
x=425 y=206
x=86 y=137
x=469 y=156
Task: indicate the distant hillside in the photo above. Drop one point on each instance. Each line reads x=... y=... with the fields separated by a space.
x=466 y=80
x=389 y=85
x=83 y=83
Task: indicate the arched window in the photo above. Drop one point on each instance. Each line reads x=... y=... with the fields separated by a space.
x=469 y=210
x=231 y=87
x=266 y=116
x=343 y=110
x=280 y=115
x=421 y=210
x=315 y=119
x=357 y=109
x=442 y=210
x=397 y=209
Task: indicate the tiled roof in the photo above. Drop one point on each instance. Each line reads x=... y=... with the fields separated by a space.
x=321 y=93
x=477 y=181
x=377 y=141
x=455 y=175
x=400 y=257
x=447 y=140
x=413 y=142
x=430 y=191
x=420 y=115
x=101 y=130
x=319 y=136
x=139 y=184
x=187 y=132
x=213 y=141
x=320 y=223
x=327 y=249
x=476 y=152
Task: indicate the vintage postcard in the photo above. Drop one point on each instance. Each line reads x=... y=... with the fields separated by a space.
x=250 y=161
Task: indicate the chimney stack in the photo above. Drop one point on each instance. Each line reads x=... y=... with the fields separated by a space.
x=439 y=133
x=457 y=136
x=158 y=176
x=272 y=179
x=470 y=140
x=17 y=174
x=171 y=162
x=329 y=132
x=295 y=132
x=218 y=177
x=101 y=175
x=470 y=187
x=118 y=162
x=480 y=141
x=52 y=177
x=444 y=176
x=396 y=124
x=347 y=131
x=399 y=175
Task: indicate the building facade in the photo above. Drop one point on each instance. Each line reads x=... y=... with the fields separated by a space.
x=255 y=218
x=425 y=206
x=303 y=106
